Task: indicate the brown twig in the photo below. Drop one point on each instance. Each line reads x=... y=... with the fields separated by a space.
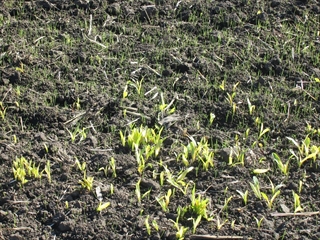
x=294 y=214
x=203 y=237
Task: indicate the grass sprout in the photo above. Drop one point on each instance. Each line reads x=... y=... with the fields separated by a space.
x=306 y=151
x=22 y=168
x=179 y=181
x=165 y=200
x=284 y=168
x=195 y=223
x=226 y=203
x=198 y=205
x=197 y=152
x=110 y=168
x=86 y=182
x=181 y=230
x=81 y=166
x=244 y=196
x=148 y=227
x=137 y=191
x=219 y=223
x=2 y=111
x=250 y=107
x=137 y=85
x=255 y=186
x=155 y=225
x=259 y=222
x=296 y=205
x=270 y=201
x=48 y=171
x=142 y=137
x=102 y=206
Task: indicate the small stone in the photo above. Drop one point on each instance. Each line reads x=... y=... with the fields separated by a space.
x=149 y=11
x=65 y=226
x=275 y=3
x=16 y=237
x=284 y=208
x=149 y=183
x=114 y=9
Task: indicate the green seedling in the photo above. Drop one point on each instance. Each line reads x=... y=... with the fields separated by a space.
x=236 y=156
x=14 y=139
x=297 y=205
x=21 y=68
x=112 y=167
x=143 y=136
x=165 y=200
x=222 y=85
x=300 y=186
x=232 y=104
x=2 y=111
x=250 y=107
x=19 y=170
x=312 y=131
x=112 y=164
x=164 y=107
x=197 y=152
x=262 y=131
x=270 y=201
x=259 y=222
x=246 y=134
x=181 y=230
x=161 y=178
x=225 y=191
x=233 y=224
x=122 y=138
x=81 y=166
x=148 y=227
x=140 y=161
x=155 y=225
x=66 y=205
x=255 y=186
x=47 y=169
x=76 y=105
x=102 y=206
x=73 y=134
x=195 y=223
x=23 y=168
x=284 y=168
x=137 y=191
x=163 y=104
x=219 y=223
x=244 y=196
x=211 y=118
x=274 y=189
x=86 y=182
x=179 y=181
x=46 y=148
x=137 y=85
x=234 y=88
x=111 y=189
x=306 y=151
x=198 y=205
x=125 y=92
x=33 y=170
x=77 y=132
x=82 y=133
x=226 y=203
x=146 y=194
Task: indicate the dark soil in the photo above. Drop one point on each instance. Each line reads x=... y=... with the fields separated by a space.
x=60 y=71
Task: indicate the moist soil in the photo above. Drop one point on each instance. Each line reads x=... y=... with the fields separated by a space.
x=64 y=66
